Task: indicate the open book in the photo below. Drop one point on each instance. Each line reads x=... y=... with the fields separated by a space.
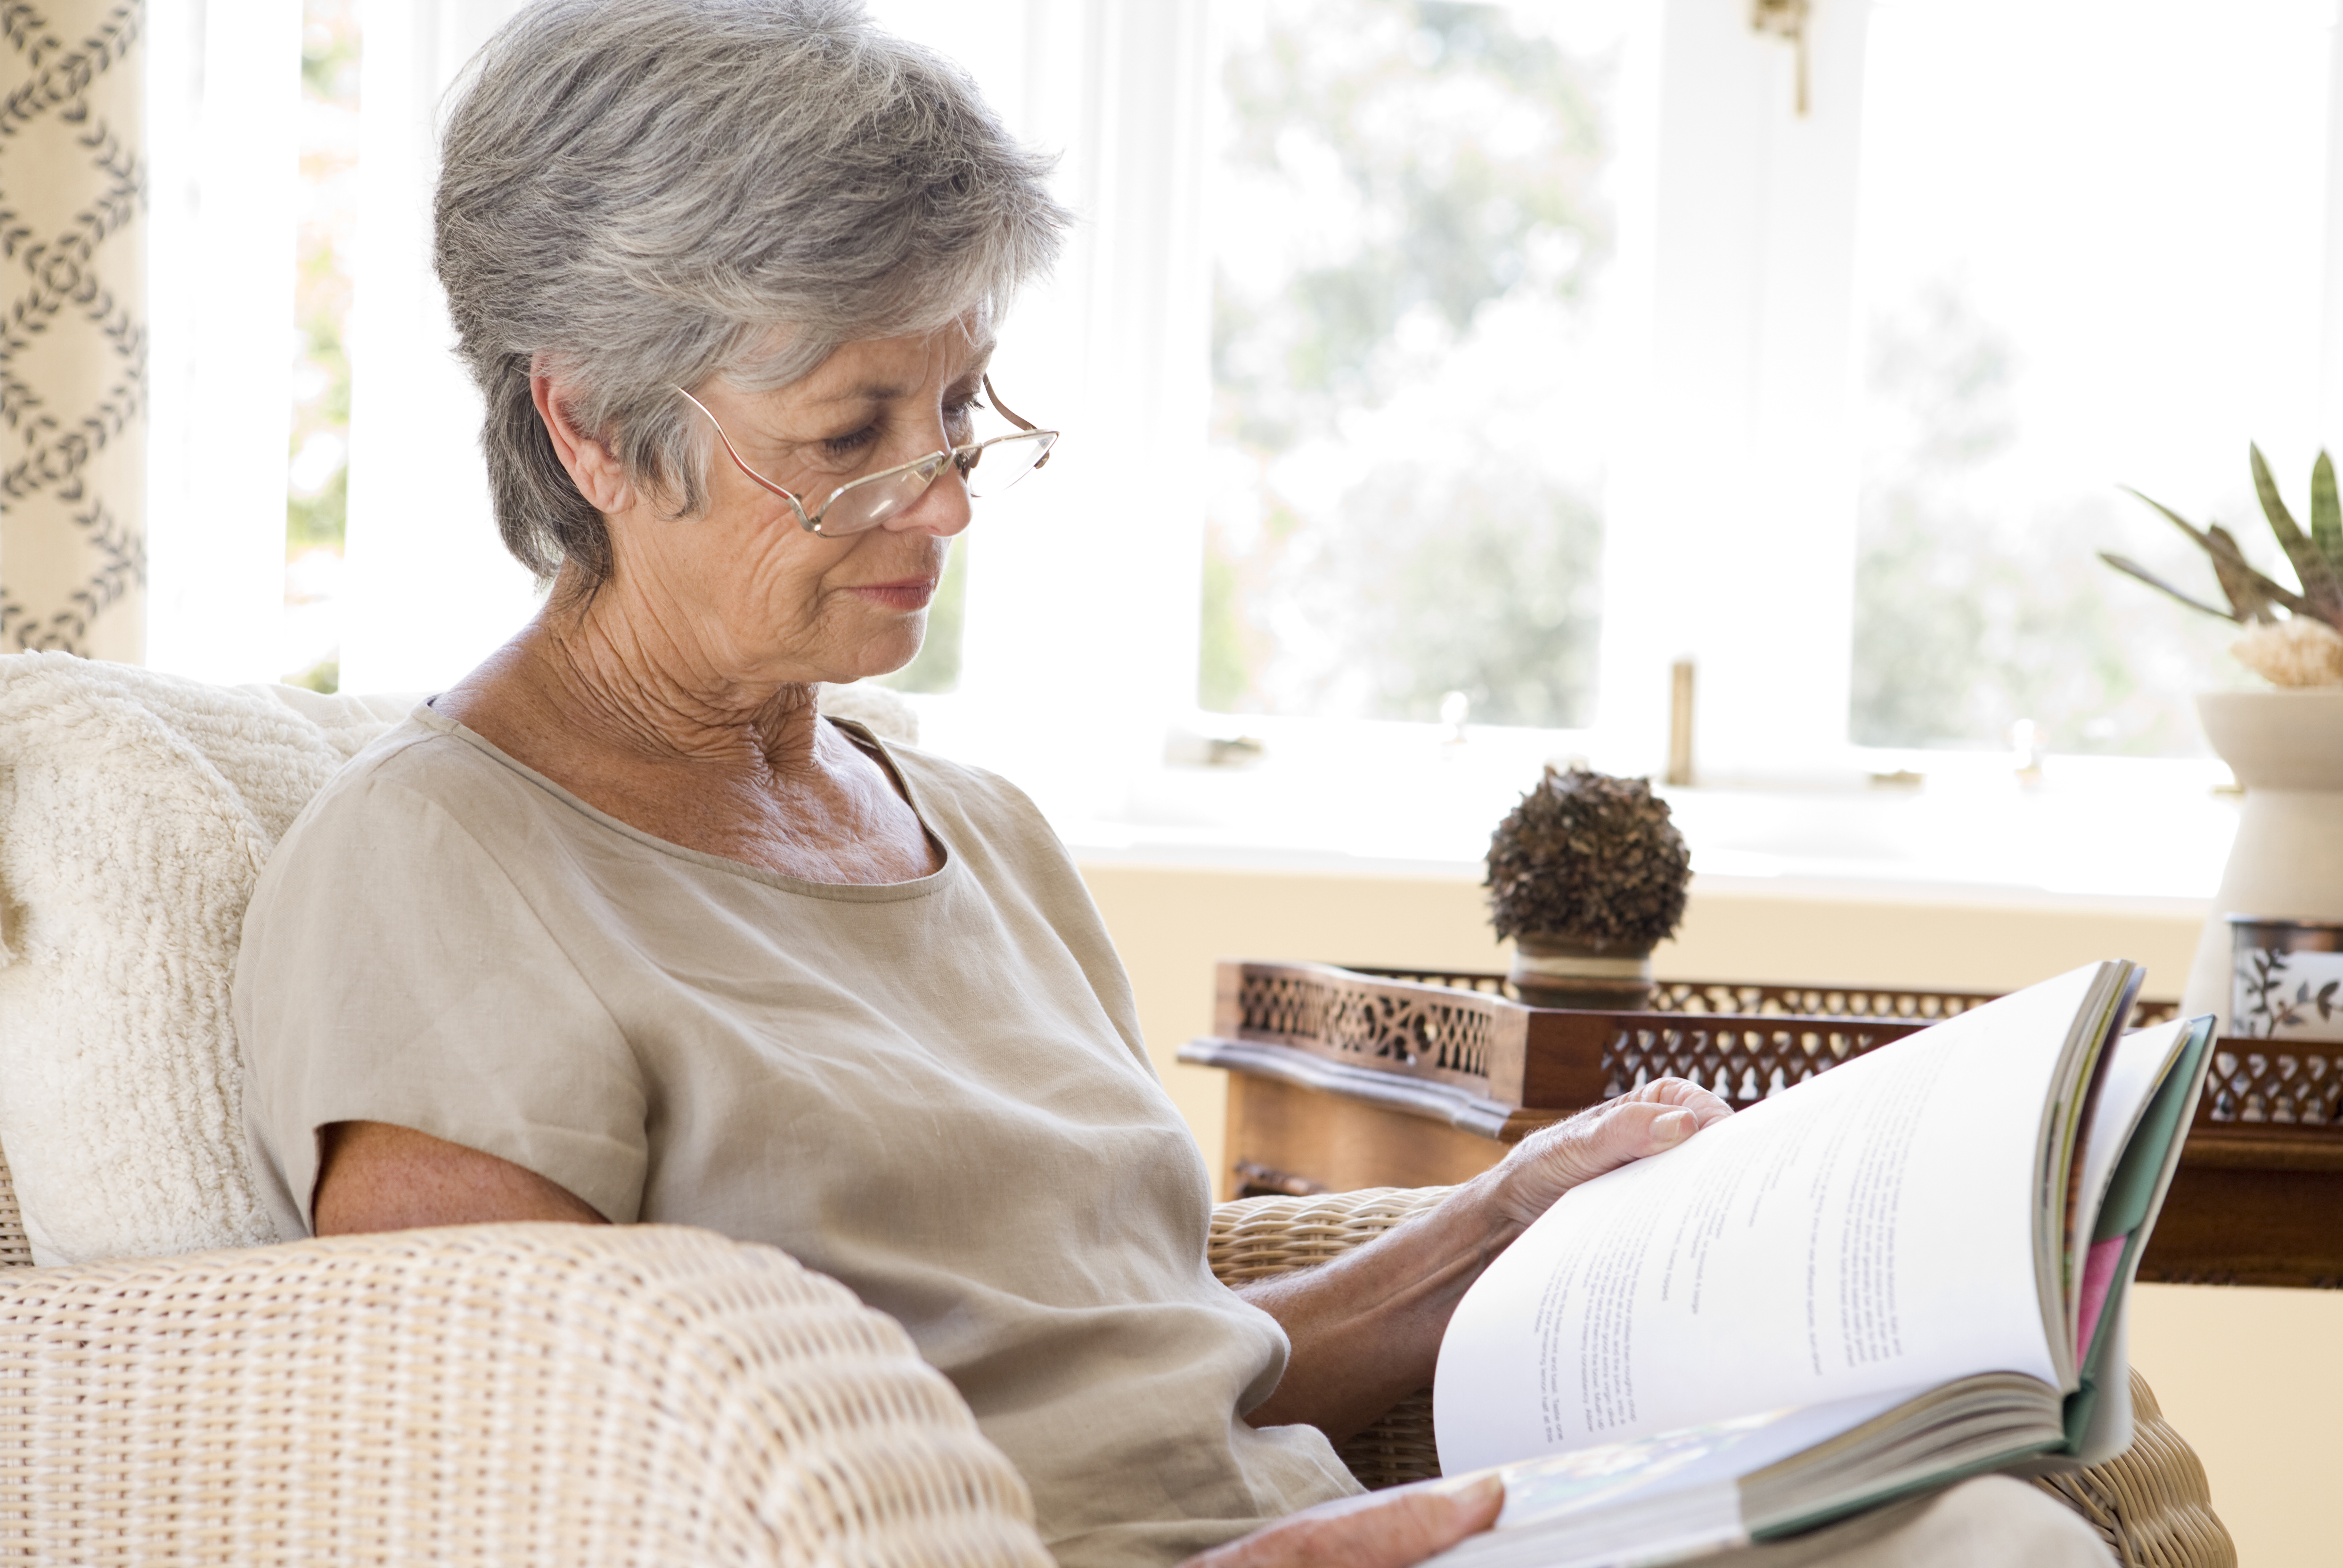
x=1906 y=1270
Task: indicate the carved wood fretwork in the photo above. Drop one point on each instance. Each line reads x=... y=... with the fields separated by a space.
x=2279 y=1083
x=1745 y=1043
x=1768 y=1000
x=1401 y=1026
x=2260 y=1180
x=1741 y=1060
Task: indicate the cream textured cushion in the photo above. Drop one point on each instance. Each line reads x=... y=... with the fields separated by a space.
x=135 y=812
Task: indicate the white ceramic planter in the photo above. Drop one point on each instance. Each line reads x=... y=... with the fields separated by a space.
x=2287 y=749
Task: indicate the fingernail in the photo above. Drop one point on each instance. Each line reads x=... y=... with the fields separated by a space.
x=1672 y=1128
x=1472 y=1490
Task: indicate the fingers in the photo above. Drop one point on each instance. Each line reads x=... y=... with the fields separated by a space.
x=1627 y=1130
x=1705 y=1107
x=1652 y=1120
x=1610 y=1136
x=1478 y=1500
x=1368 y=1533
x=1670 y=1128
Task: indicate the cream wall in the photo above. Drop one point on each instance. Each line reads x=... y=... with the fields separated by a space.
x=2252 y=1377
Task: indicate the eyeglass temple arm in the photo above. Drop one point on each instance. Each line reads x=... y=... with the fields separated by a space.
x=1014 y=417
x=740 y=463
x=1003 y=409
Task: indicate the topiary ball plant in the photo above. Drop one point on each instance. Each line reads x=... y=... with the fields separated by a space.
x=1586 y=875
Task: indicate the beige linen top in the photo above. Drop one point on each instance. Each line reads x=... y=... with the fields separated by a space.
x=933 y=1090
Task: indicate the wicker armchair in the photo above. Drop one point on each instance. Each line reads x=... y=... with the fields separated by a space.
x=478 y=1394
x=484 y=1394
x=644 y=1394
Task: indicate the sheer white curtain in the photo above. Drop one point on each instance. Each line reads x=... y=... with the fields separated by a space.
x=431 y=592
x=224 y=86
x=431 y=589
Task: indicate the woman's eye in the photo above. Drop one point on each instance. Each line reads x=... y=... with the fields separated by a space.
x=848 y=444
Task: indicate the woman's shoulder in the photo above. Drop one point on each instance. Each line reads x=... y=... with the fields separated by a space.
x=418 y=776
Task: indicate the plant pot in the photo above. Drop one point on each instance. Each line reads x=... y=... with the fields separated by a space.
x=2286 y=749
x=1556 y=971
x=2287 y=979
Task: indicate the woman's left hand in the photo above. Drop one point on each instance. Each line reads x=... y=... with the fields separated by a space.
x=1550 y=1162
x=1365 y=1327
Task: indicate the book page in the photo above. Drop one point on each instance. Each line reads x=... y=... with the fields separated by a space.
x=2136 y=1065
x=2098 y=1415
x=1870 y=1230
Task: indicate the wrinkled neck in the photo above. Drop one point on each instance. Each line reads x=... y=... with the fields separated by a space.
x=666 y=687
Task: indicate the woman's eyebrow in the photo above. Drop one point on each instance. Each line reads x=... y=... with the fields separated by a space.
x=979 y=362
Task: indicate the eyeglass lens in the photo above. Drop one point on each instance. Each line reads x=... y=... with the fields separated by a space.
x=867 y=504
x=1000 y=464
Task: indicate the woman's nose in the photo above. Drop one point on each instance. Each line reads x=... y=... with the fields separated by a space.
x=942 y=509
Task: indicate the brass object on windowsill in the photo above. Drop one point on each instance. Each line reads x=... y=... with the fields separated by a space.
x=1788 y=20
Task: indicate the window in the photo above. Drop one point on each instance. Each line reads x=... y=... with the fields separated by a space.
x=1520 y=351
x=2096 y=258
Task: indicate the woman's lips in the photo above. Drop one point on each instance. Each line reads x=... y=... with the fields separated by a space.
x=905 y=594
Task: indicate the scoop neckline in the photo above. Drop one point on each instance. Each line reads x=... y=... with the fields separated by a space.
x=856 y=732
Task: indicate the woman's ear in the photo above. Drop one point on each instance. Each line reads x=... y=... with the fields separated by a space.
x=593 y=467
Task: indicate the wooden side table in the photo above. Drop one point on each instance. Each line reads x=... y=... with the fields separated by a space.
x=1342 y=1078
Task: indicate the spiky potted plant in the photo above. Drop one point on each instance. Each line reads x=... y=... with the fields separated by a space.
x=2292 y=639
x=1587 y=875
x=2284 y=744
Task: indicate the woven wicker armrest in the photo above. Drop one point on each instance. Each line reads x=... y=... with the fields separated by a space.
x=484 y=1394
x=2151 y=1503
x=1254 y=1238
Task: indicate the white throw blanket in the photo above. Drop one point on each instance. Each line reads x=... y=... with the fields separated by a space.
x=137 y=810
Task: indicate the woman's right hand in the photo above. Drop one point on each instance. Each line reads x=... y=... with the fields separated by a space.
x=1379 y=1529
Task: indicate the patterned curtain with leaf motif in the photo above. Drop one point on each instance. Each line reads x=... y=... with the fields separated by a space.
x=72 y=330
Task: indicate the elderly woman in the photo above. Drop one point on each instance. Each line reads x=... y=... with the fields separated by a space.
x=620 y=928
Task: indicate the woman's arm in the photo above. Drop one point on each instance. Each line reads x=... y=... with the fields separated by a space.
x=1366 y=1326
x=373 y=1176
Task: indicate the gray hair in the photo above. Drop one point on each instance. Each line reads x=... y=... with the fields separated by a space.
x=641 y=194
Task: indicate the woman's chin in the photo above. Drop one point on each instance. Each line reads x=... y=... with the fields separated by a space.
x=886 y=655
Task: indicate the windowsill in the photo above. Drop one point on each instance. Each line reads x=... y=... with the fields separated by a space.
x=1403 y=800
x=2030 y=852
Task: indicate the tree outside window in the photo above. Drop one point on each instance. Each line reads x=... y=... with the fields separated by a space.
x=1406 y=460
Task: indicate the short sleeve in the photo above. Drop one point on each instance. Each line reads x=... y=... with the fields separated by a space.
x=393 y=970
